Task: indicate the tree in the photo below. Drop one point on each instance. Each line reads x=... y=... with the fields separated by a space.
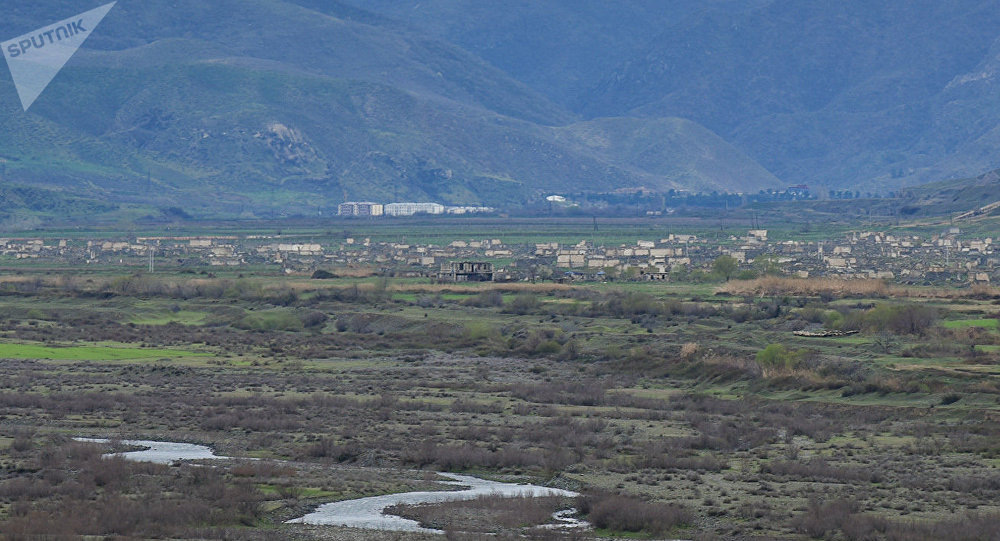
x=725 y=266
x=900 y=319
x=767 y=266
x=884 y=342
x=680 y=273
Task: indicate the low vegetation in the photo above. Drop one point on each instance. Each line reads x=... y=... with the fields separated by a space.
x=678 y=411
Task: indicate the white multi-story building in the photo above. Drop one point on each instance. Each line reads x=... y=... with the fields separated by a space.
x=409 y=209
x=362 y=208
x=469 y=210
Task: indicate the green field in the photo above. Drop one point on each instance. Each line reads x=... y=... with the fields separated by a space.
x=89 y=352
x=991 y=323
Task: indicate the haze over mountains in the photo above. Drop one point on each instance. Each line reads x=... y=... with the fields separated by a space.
x=263 y=106
x=851 y=94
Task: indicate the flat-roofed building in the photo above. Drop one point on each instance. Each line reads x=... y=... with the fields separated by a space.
x=409 y=209
x=360 y=208
x=467 y=271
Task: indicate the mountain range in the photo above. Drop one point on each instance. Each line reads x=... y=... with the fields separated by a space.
x=263 y=107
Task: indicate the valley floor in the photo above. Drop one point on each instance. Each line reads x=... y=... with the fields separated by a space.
x=677 y=411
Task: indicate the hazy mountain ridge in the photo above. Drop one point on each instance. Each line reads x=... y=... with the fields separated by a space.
x=855 y=94
x=279 y=107
x=849 y=94
x=559 y=47
x=267 y=104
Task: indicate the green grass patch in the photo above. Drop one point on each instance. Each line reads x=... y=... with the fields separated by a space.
x=989 y=323
x=88 y=353
x=184 y=317
x=271 y=320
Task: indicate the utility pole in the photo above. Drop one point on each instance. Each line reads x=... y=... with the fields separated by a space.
x=151 y=263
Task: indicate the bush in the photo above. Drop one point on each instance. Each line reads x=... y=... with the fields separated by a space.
x=327 y=448
x=950 y=398
x=821 y=518
x=78 y=494
x=689 y=351
x=625 y=514
x=905 y=319
x=313 y=318
x=813 y=314
x=524 y=303
x=276 y=320
x=777 y=356
x=485 y=299
x=900 y=319
x=323 y=275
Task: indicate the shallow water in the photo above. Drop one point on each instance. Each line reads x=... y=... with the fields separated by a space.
x=564 y=520
x=361 y=513
x=368 y=512
x=160 y=452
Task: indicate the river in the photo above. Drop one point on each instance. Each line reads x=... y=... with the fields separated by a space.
x=160 y=452
x=367 y=513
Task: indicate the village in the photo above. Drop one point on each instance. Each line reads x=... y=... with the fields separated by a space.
x=937 y=259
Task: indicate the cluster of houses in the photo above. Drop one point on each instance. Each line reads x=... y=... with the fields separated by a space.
x=941 y=258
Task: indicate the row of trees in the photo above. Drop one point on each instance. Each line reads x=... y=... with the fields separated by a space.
x=723 y=269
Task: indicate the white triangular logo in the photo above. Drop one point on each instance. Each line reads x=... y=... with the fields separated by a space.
x=35 y=58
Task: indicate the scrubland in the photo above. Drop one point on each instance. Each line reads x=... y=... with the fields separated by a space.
x=676 y=412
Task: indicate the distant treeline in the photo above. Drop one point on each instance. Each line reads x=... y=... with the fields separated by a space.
x=652 y=202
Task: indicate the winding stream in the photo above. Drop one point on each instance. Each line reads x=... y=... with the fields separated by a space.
x=160 y=452
x=367 y=513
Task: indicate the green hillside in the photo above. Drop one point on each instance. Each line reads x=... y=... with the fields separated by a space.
x=860 y=94
x=954 y=197
x=267 y=107
x=672 y=148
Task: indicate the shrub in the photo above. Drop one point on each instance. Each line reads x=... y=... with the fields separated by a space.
x=818 y=469
x=327 y=448
x=901 y=319
x=950 y=398
x=813 y=314
x=323 y=275
x=689 y=351
x=777 y=356
x=524 y=303
x=625 y=514
x=485 y=299
x=313 y=318
x=821 y=518
x=275 y=320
